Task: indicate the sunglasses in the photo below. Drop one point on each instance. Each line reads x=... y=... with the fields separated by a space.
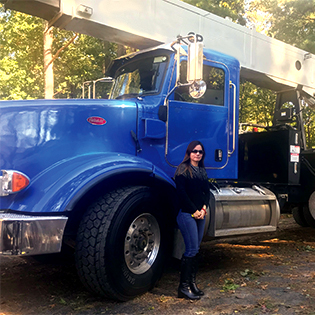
x=197 y=151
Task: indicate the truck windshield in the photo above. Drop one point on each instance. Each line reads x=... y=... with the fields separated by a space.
x=139 y=77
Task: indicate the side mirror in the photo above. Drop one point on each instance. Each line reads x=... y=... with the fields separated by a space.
x=198 y=89
x=195 y=66
x=194 y=75
x=195 y=59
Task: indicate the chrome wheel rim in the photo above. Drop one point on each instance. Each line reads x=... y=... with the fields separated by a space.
x=142 y=243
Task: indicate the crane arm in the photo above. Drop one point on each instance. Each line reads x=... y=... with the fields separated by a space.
x=264 y=61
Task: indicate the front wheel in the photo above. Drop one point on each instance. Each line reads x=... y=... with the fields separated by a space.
x=122 y=243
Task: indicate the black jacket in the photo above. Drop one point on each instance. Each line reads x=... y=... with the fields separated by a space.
x=193 y=192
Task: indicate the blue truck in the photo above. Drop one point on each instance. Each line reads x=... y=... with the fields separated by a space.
x=95 y=175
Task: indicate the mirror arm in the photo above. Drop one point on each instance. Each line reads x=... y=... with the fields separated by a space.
x=173 y=89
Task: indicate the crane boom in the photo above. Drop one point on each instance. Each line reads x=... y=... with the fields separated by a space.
x=265 y=61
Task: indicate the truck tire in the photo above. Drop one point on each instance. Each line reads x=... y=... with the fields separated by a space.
x=309 y=211
x=122 y=243
x=298 y=215
x=308 y=216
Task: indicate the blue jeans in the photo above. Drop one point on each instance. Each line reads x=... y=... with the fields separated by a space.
x=192 y=231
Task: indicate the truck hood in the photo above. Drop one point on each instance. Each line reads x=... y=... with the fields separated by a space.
x=37 y=134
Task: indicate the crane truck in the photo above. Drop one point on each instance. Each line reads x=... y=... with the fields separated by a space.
x=96 y=174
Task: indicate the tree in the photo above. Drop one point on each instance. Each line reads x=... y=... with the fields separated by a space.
x=76 y=58
x=84 y=60
x=256 y=104
x=234 y=9
x=48 y=63
x=292 y=22
x=21 y=56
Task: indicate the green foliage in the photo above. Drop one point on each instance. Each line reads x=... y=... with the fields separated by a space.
x=21 y=59
x=292 y=22
x=84 y=60
x=229 y=285
x=309 y=248
x=256 y=104
x=234 y=9
x=21 y=56
x=309 y=123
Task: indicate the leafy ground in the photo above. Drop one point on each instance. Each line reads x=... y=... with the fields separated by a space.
x=264 y=274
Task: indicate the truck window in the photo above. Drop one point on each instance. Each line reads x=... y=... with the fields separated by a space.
x=139 y=77
x=214 y=78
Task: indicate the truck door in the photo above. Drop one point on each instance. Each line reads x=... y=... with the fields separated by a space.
x=205 y=119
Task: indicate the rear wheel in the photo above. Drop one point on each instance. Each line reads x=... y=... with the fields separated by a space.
x=308 y=216
x=309 y=211
x=122 y=243
x=298 y=215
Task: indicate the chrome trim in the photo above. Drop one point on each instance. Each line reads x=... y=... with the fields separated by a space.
x=234 y=118
x=30 y=235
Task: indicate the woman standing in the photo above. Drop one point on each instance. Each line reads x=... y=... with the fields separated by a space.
x=194 y=195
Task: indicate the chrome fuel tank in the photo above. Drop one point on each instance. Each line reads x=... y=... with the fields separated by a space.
x=237 y=211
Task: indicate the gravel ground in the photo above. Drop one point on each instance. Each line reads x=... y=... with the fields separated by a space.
x=260 y=274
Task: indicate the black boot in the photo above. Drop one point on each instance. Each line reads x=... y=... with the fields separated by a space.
x=184 y=290
x=194 y=269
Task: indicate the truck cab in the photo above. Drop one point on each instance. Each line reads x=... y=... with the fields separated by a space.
x=165 y=129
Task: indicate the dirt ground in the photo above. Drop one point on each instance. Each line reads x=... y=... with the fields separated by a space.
x=261 y=274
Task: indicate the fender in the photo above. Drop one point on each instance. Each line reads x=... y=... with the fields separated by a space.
x=58 y=188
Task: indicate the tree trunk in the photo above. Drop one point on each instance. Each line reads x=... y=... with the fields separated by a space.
x=121 y=50
x=48 y=67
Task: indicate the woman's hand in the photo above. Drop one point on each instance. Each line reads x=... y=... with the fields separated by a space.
x=199 y=215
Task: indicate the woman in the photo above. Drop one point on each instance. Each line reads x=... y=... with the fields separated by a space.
x=194 y=194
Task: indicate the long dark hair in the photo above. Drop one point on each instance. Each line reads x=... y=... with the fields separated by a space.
x=185 y=164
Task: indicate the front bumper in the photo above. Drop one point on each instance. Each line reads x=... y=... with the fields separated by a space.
x=30 y=235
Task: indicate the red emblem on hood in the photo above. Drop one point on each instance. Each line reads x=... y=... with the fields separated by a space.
x=94 y=120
